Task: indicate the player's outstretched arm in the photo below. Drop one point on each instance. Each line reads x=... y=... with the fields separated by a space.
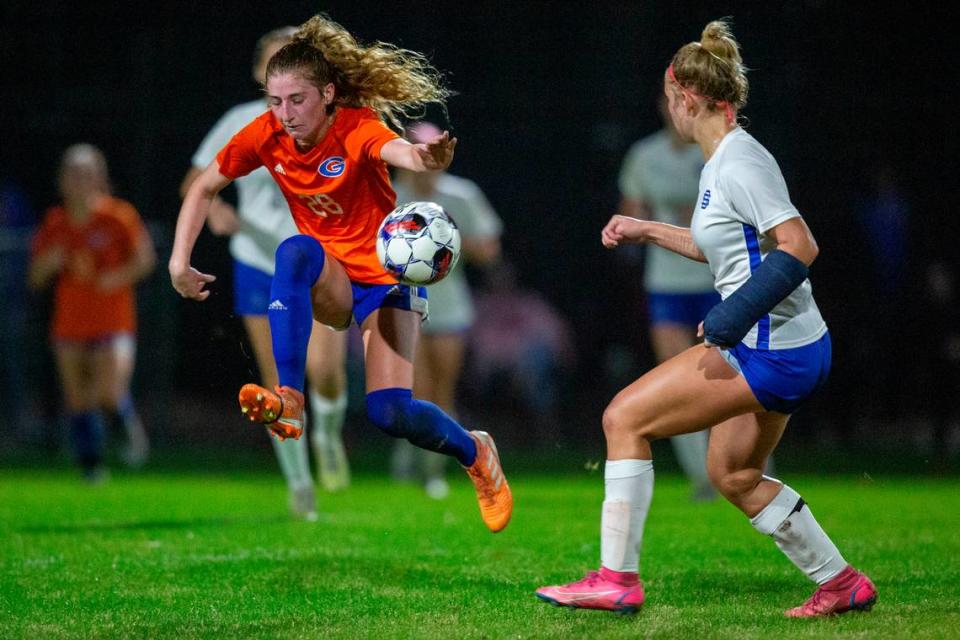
x=435 y=155
x=189 y=282
x=626 y=230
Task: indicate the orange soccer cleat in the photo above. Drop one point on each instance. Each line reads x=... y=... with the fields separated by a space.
x=493 y=492
x=281 y=412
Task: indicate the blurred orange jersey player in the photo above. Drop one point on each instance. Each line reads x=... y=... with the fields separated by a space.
x=338 y=191
x=88 y=305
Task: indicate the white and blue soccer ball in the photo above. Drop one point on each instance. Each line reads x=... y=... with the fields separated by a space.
x=418 y=243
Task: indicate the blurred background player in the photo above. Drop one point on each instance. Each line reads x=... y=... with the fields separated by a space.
x=658 y=181
x=521 y=348
x=95 y=248
x=442 y=345
x=260 y=222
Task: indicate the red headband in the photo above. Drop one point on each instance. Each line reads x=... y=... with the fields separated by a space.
x=727 y=107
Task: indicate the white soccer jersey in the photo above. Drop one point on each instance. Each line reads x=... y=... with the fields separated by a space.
x=451 y=308
x=742 y=196
x=265 y=219
x=665 y=178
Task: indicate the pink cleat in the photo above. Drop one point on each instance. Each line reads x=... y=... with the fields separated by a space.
x=604 y=589
x=850 y=590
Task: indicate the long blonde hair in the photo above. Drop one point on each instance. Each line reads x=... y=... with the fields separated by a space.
x=397 y=83
x=713 y=67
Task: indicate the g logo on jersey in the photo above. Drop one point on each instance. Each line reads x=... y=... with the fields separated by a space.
x=331 y=167
x=706 y=199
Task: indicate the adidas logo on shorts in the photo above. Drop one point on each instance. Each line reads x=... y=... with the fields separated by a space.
x=276 y=305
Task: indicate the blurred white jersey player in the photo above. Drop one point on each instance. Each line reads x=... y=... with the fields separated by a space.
x=658 y=181
x=261 y=221
x=442 y=345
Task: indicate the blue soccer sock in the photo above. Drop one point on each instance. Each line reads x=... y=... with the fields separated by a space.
x=299 y=263
x=87 y=438
x=397 y=413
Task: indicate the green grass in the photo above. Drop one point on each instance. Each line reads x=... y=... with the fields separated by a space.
x=214 y=555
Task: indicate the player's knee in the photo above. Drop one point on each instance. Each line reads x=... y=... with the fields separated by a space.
x=389 y=410
x=619 y=422
x=298 y=255
x=734 y=485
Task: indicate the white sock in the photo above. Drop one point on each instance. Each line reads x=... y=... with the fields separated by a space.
x=326 y=417
x=294 y=462
x=628 y=491
x=691 y=452
x=798 y=534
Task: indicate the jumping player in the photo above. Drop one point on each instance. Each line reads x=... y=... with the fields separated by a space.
x=96 y=248
x=256 y=228
x=325 y=145
x=766 y=349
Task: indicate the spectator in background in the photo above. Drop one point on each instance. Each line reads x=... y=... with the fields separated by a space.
x=95 y=248
x=659 y=180
x=519 y=334
x=440 y=352
x=256 y=228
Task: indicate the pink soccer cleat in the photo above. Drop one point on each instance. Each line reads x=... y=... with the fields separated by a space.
x=604 y=589
x=850 y=590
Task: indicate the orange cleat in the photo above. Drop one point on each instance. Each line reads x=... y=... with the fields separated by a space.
x=493 y=492
x=281 y=412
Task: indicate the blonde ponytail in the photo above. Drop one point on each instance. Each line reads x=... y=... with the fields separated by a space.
x=713 y=67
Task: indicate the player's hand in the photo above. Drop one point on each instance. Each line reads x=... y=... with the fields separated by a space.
x=190 y=283
x=706 y=343
x=437 y=154
x=622 y=229
x=222 y=218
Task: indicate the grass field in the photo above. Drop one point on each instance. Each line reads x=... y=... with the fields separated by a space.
x=214 y=555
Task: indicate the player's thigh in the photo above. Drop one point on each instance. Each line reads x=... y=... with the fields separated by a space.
x=326 y=359
x=389 y=343
x=670 y=339
x=258 y=331
x=692 y=391
x=332 y=295
x=112 y=365
x=73 y=367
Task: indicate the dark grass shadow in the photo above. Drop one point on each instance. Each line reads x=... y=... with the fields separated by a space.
x=190 y=523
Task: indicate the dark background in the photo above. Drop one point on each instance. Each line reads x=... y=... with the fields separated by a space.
x=550 y=96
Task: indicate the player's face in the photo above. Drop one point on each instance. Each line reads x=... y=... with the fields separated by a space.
x=79 y=181
x=299 y=105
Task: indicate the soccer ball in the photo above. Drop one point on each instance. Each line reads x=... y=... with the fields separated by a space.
x=418 y=243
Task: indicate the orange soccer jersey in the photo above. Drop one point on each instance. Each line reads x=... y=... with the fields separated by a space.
x=339 y=191
x=82 y=310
